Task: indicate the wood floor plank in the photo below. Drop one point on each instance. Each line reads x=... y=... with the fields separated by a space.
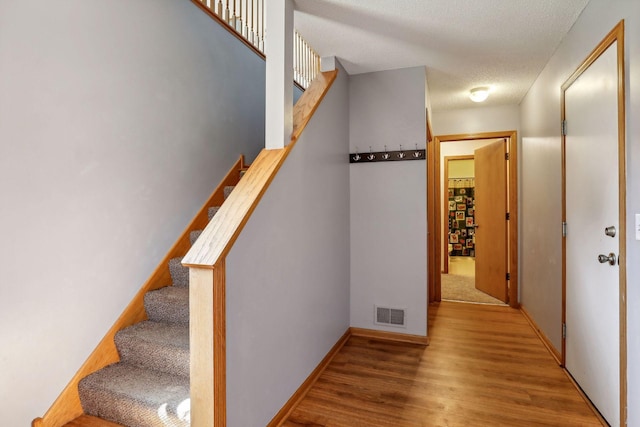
x=484 y=366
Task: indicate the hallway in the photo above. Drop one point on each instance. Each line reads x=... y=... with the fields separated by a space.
x=484 y=366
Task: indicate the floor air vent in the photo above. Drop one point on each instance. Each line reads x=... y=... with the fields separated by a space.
x=390 y=316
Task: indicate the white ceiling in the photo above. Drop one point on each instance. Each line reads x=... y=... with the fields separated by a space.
x=503 y=44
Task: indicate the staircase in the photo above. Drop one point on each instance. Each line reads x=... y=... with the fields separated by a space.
x=149 y=386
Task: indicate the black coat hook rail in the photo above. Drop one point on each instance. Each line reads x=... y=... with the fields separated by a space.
x=387 y=156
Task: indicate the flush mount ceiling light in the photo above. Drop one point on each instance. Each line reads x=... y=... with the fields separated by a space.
x=479 y=94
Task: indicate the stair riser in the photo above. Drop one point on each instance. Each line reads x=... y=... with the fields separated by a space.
x=179 y=273
x=167 y=310
x=174 y=361
x=127 y=412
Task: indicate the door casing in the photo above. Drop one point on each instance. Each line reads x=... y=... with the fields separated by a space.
x=434 y=208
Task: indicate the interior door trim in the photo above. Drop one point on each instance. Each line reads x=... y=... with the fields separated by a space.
x=615 y=35
x=434 y=208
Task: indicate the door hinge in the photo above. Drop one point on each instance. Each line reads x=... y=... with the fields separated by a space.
x=507 y=156
x=508 y=216
x=508 y=276
x=564 y=128
x=564 y=229
x=564 y=331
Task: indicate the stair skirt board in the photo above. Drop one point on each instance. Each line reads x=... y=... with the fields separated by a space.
x=145 y=383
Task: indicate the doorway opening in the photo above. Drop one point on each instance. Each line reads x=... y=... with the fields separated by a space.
x=458 y=276
x=466 y=172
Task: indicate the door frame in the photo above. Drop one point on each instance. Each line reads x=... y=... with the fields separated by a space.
x=445 y=268
x=615 y=35
x=434 y=208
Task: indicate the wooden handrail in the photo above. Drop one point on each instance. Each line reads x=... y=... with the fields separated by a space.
x=207 y=272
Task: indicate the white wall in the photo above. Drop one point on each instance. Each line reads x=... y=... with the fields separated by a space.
x=540 y=112
x=117 y=119
x=477 y=119
x=288 y=273
x=388 y=200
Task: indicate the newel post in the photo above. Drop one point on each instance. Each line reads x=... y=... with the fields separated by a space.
x=279 y=73
x=207 y=338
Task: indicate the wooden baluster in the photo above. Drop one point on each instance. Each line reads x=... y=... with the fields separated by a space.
x=301 y=81
x=258 y=23
x=306 y=64
x=254 y=22
x=232 y=18
x=219 y=9
x=245 y=29
x=249 y=21
x=298 y=53
x=300 y=61
x=264 y=26
x=314 y=65
x=295 y=57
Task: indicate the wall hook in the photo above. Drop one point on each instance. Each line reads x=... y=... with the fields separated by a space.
x=401 y=154
x=386 y=155
x=357 y=156
x=371 y=156
x=417 y=154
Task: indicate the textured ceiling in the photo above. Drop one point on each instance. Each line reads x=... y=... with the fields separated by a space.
x=503 y=44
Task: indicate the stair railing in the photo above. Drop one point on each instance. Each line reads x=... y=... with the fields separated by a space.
x=306 y=62
x=246 y=20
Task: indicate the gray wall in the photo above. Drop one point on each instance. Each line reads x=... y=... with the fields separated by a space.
x=117 y=119
x=477 y=119
x=288 y=273
x=540 y=110
x=388 y=200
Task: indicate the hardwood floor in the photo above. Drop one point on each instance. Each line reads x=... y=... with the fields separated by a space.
x=484 y=367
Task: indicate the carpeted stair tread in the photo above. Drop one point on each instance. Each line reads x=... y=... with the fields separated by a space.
x=155 y=345
x=168 y=304
x=213 y=211
x=179 y=273
x=227 y=190
x=136 y=397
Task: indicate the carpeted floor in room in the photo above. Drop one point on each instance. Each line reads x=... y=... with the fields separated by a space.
x=456 y=287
